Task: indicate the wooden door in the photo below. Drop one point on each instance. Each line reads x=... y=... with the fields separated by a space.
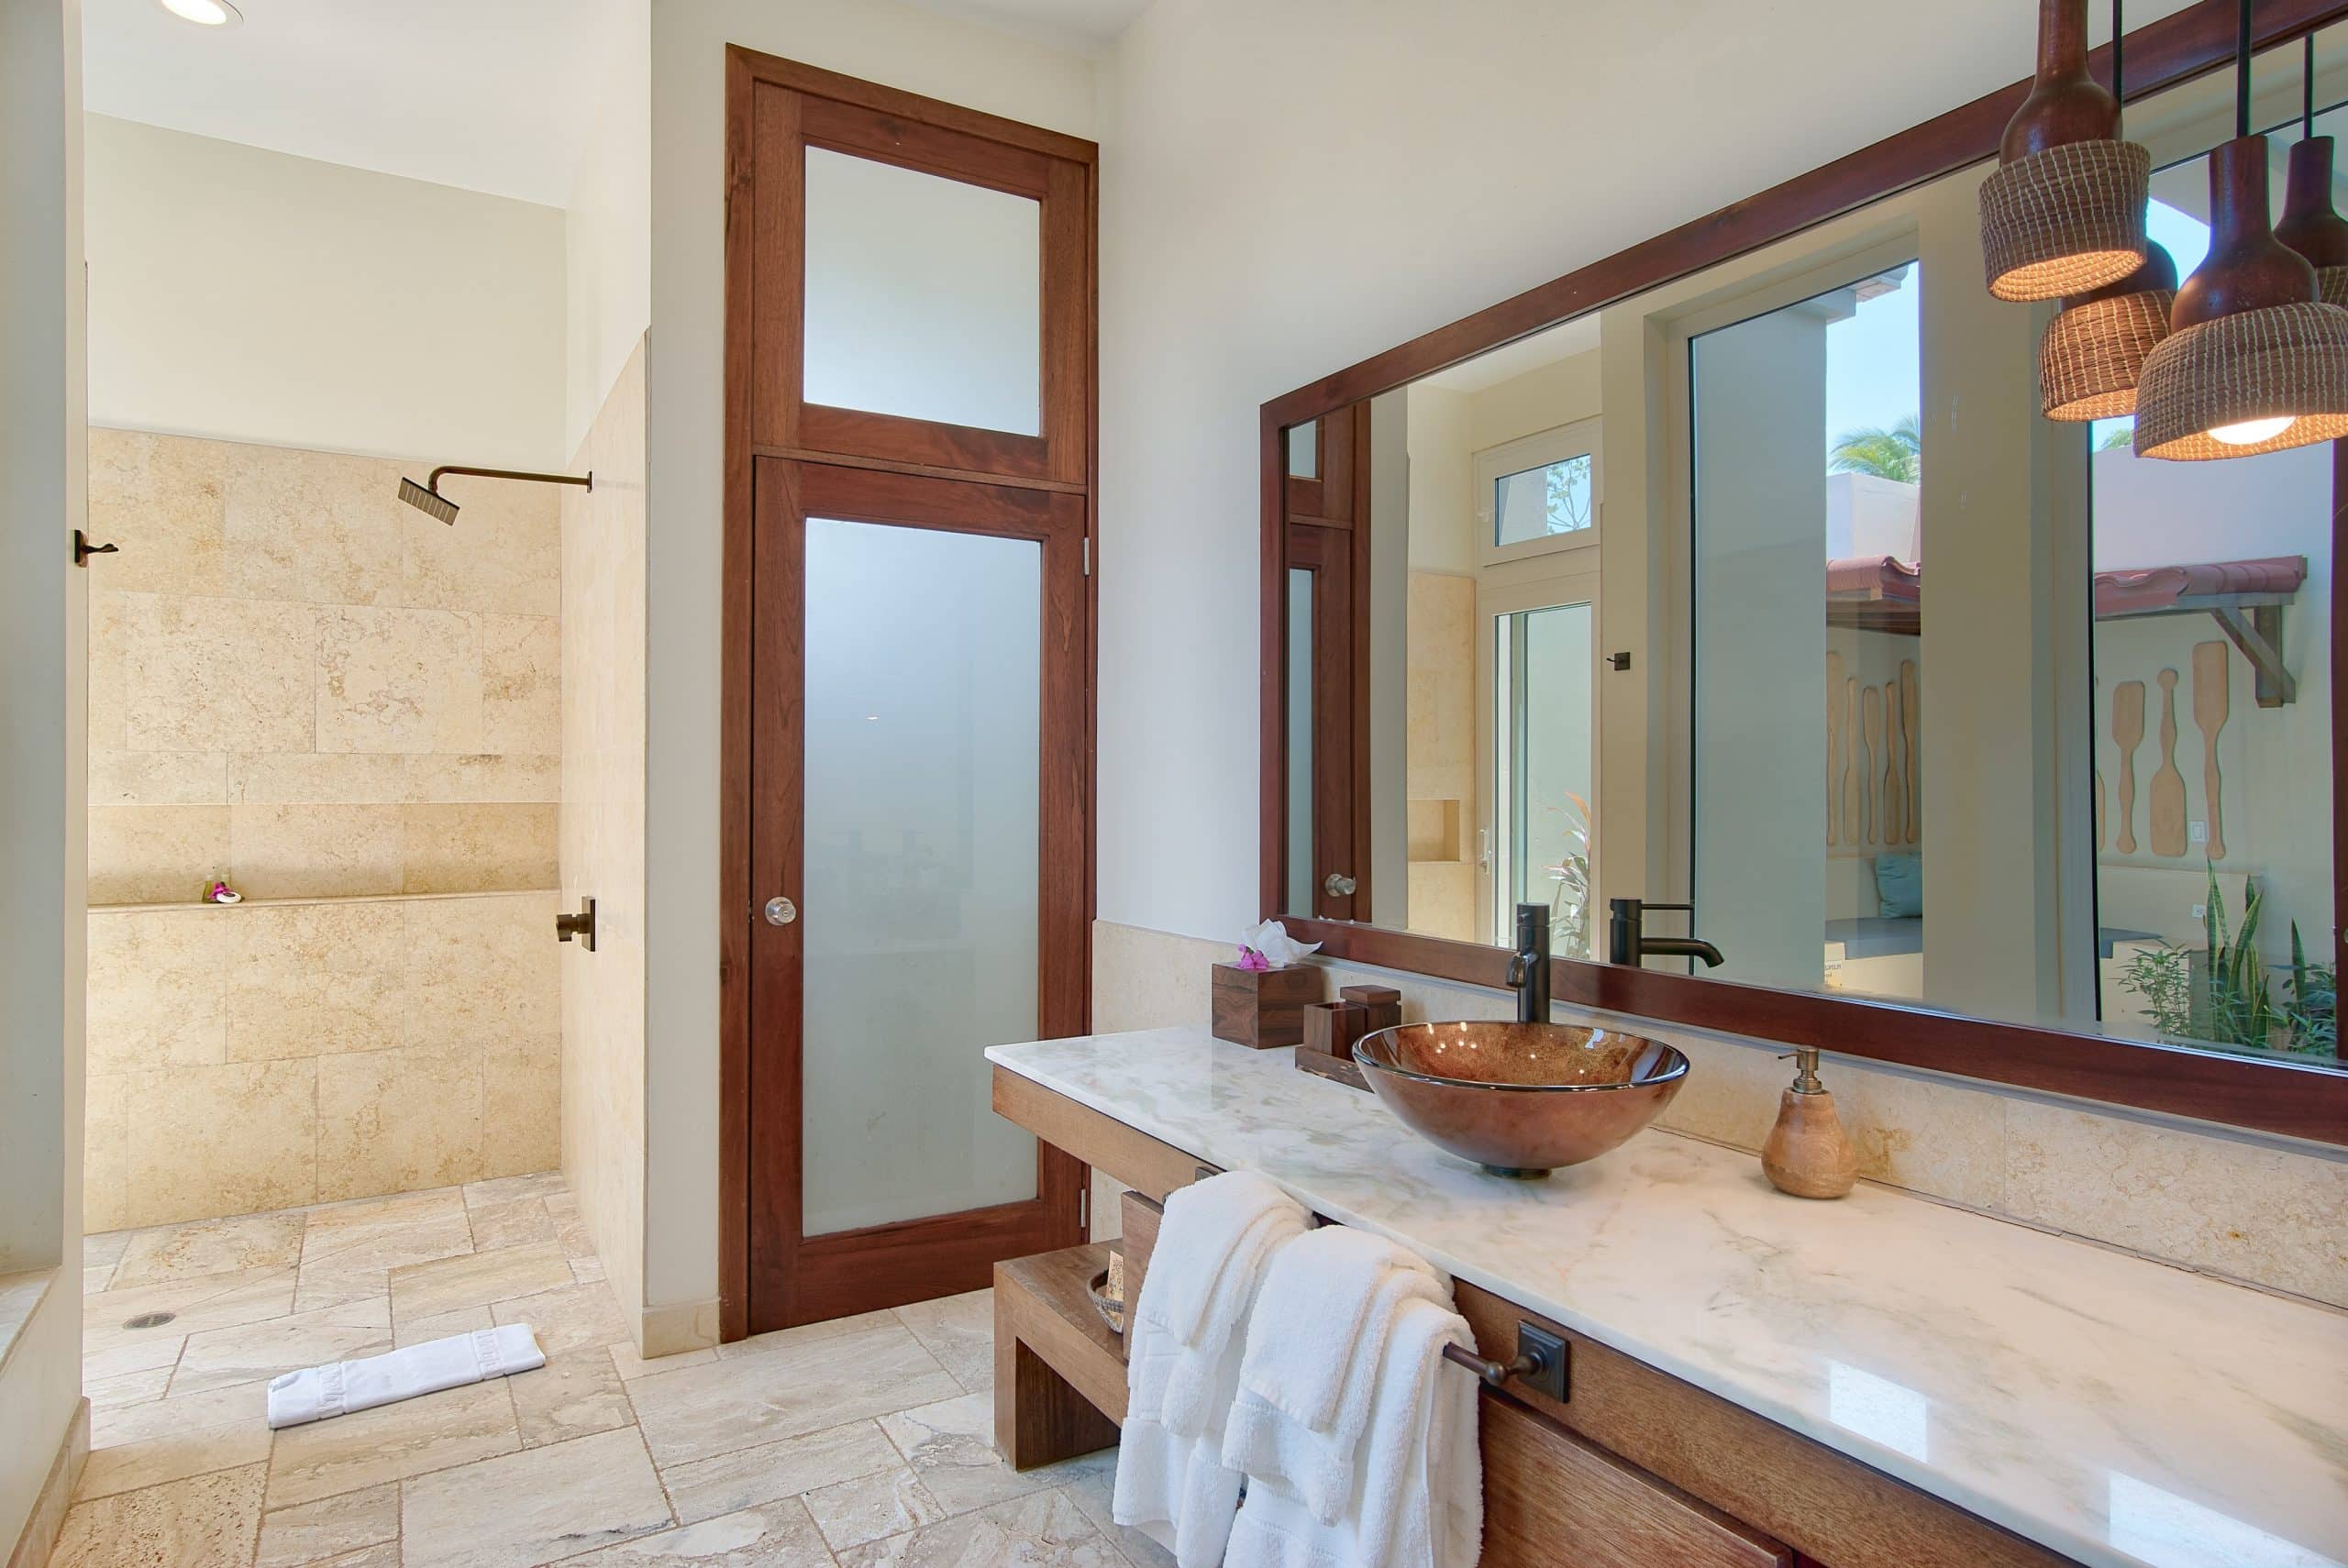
x=906 y=822
x=1328 y=541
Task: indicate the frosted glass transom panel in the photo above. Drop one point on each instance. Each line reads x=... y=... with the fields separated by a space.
x=920 y=905
x=924 y=296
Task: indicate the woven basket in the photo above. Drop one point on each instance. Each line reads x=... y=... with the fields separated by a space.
x=2093 y=354
x=2255 y=364
x=2332 y=283
x=2064 y=221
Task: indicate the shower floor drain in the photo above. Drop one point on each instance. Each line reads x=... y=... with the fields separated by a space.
x=148 y=1319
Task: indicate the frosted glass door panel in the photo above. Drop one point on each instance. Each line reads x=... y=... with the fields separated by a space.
x=924 y=296
x=1542 y=678
x=1300 y=739
x=924 y=736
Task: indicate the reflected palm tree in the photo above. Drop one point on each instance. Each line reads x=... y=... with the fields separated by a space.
x=1896 y=454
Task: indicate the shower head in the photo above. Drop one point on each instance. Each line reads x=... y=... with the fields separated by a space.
x=431 y=503
x=426 y=497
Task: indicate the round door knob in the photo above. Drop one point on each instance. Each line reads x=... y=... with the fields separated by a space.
x=1338 y=885
x=780 y=910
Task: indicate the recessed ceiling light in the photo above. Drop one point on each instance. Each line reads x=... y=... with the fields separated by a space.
x=203 y=13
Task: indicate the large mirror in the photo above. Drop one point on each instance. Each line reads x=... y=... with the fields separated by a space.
x=1768 y=591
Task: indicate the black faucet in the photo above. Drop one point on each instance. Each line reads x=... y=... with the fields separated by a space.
x=1628 y=943
x=1528 y=967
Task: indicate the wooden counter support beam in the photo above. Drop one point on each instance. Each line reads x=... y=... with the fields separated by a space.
x=1060 y=1374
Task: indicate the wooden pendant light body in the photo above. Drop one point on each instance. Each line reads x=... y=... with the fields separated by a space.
x=2309 y=223
x=2066 y=104
x=2063 y=213
x=2248 y=337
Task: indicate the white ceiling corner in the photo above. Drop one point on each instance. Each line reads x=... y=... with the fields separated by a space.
x=494 y=95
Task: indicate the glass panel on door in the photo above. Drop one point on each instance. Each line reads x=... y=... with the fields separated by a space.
x=1542 y=674
x=1300 y=739
x=898 y=323
x=924 y=736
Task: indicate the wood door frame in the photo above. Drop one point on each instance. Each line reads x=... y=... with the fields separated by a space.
x=1338 y=498
x=2263 y=1094
x=905 y=123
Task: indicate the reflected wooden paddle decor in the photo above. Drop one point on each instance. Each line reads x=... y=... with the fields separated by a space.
x=2127 y=734
x=1871 y=712
x=2098 y=786
x=1912 y=717
x=1895 y=787
x=2168 y=784
x=1834 y=744
x=1850 y=767
x=2209 y=702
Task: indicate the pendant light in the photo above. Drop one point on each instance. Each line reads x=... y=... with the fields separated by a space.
x=2093 y=353
x=2309 y=223
x=2063 y=213
x=2254 y=362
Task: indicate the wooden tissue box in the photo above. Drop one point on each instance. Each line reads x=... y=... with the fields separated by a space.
x=1263 y=1009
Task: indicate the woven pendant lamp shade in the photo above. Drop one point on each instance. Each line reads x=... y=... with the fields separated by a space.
x=2288 y=360
x=2066 y=220
x=2093 y=353
x=2309 y=223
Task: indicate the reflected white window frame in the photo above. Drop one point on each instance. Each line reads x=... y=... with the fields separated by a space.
x=1541 y=449
x=1573 y=579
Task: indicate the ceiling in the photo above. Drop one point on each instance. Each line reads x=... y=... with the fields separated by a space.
x=490 y=95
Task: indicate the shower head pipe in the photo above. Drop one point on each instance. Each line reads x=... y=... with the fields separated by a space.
x=426 y=497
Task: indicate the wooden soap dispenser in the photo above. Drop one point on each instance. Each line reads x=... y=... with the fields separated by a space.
x=1807 y=1152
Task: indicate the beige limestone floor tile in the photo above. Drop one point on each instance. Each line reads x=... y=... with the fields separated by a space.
x=203 y=1522
x=743 y=1400
x=105 y=1247
x=1089 y=1482
x=441 y=1326
x=210 y=1246
x=589 y=1271
x=384 y=1556
x=392 y=1442
x=357 y=1267
x=424 y=1289
x=259 y=1352
x=236 y=1139
x=514 y=1223
x=173 y=1456
x=959 y=1331
x=531 y=1507
x=950 y=1445
x=154 y=1351
x=705 y=1488
x=574 y=1394
x=891 y=1502
x=392 y=1119
x=775 y=1535
x=567 y=1317
x=125 y=1426
x=107 y=1393
x=790 y=1340
x=329 y=1528
x=545 y=1184
x=211 y=1301
x=632 y=1366
x=1043 y=1529
x=335 y=1228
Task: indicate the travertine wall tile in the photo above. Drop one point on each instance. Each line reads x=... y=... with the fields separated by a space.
x=399 y=679
x=303 y=686
x=396 y=1121
x=226 y=1139
x=477 y=848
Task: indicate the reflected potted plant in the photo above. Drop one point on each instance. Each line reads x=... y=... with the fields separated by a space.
x=2223 y=995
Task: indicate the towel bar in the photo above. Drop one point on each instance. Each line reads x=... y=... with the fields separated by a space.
x=1540 y=1361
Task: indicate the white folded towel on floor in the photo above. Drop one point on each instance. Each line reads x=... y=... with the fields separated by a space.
x=1171 y=1481
x=1317 y=1344
x=317 y=1392
x=1418 y=1484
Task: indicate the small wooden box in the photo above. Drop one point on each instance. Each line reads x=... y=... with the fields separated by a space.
x=1332 y=1027
x=1263 y=1007
x=1382 y=1005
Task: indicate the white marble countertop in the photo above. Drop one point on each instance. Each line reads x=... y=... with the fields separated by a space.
x=2115 y=1410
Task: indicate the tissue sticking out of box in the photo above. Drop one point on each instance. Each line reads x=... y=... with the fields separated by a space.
x=1270 y=946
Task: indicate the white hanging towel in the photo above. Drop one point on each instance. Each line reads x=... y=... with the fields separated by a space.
x=1418 y=1482
x=1213 y=1246
x=317 y=1392
x=1315 y=1352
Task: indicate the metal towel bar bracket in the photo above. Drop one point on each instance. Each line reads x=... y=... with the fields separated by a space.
x=1540 y=1362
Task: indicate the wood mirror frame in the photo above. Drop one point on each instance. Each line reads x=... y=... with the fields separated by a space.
x=2270 y=1094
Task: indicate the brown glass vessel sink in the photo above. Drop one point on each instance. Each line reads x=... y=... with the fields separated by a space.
x=1521 y=1099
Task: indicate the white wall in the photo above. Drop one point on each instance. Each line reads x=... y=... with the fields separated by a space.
x=607 y=231
x=882 y=41
x=1455 y=156
x=42 y=601
x=248 y=296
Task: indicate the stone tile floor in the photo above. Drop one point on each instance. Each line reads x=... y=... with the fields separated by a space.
x=864 y=1443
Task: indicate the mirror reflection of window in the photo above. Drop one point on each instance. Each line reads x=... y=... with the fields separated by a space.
x=2212 y=725
x=1808 y=467
x=1544 y=769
